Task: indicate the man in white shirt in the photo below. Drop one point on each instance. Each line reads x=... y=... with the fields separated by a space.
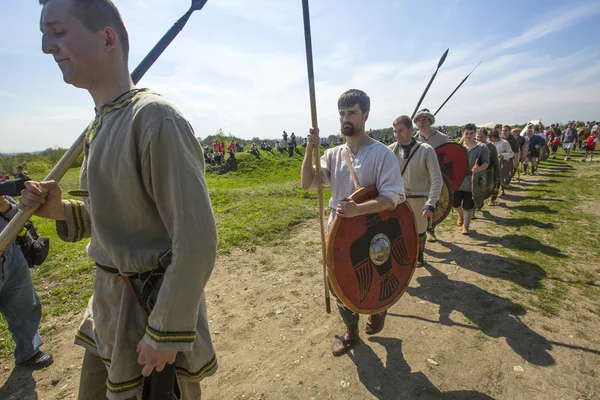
x=374 y=164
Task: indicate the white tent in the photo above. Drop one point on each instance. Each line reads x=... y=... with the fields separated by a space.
x=533 y=122
x=489 y=125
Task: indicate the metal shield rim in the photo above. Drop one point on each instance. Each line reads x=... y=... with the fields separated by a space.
x=506 y=179
x=330 y=255
x=446 y=183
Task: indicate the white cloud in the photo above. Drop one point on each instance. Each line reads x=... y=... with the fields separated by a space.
x=543 y=26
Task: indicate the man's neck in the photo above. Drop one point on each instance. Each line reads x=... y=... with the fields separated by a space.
x=111 y=88
x=356 y=141
x=426 y=132
x=406 y=142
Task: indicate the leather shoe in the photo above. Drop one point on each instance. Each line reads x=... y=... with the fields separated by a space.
x=341 y=344
x=40 y=360
x=375 y=323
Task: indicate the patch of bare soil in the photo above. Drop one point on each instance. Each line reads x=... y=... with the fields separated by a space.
x=455 y=334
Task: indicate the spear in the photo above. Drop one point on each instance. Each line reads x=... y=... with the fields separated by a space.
x=440 y=63
x=452 y=94
x=17 y=223
x=316 y=155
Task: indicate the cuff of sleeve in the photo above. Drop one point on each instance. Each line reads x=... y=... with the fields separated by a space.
x=429 y=207
x=72 y=228
x=12 y=212
x=165 y=340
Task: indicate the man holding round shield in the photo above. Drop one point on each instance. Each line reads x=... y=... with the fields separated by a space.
x=371 y=163
x=421 y=173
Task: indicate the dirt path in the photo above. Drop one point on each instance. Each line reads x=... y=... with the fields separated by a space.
x=455 y=333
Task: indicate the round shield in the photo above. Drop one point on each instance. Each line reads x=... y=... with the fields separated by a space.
x=371 y=258
x=454 y=163
x=444 y=204
x=506 y=172
x=479 y=184
x=483 y=184
x=524 y=152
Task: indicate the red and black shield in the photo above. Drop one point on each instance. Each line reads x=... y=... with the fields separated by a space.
x=454 y=163
x=371 y=258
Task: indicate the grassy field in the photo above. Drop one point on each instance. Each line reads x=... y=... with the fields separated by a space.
x=552 y=235
x=258 y=203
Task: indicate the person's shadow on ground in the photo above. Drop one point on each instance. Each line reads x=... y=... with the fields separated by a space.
x=394 y=378
x=495 y=316
x=20 y=385
x=523 y=273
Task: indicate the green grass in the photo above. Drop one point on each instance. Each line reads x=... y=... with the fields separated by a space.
x=563 y=242
x=257 y=204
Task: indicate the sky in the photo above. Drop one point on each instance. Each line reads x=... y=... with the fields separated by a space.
x=240 y=65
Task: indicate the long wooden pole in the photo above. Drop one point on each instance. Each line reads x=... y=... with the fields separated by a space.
x=440 y=63
x=316 y=152
x=60 y=169
x=458 y=87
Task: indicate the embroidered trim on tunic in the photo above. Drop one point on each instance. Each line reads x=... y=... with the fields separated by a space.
x=124 y=386
x=78 y=220
x=170 y=337
x=94 y=126
x=198 y=375
x=85 y=338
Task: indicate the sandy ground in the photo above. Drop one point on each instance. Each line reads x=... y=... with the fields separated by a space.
x=455 y=334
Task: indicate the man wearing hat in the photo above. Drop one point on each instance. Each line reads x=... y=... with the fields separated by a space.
x=424 y=120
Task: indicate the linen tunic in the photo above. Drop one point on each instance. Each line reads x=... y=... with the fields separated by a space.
x=504 y=148
x=148 y=205
x=479 y=154
x=422 y=177
x=374 y=164
x=436 y=139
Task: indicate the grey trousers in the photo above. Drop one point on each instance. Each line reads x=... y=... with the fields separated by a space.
x=92 y=385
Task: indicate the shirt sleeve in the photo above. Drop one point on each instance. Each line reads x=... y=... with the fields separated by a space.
x=325 y=171
x=484 y=158
x=435 y=177
x=389 y=181
x=77 y=224
x=507 y=151
x=13 y=209
x=173 y=170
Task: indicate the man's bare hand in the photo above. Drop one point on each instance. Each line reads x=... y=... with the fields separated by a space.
x=347 y=208
x=50 y=206
x=153 y=359
x=427 y=213
x=313 y=137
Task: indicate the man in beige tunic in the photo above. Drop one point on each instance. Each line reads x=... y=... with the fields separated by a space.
x=374 y=164
x=422 y=176
x=424 y=120
x=146 y=209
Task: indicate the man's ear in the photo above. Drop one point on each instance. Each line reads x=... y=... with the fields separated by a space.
x=366 y=116
x=111 y=38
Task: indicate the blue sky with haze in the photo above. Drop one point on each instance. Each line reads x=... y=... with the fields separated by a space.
x=240 y=65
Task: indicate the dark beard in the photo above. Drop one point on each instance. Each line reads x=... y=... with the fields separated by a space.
x=348 y=130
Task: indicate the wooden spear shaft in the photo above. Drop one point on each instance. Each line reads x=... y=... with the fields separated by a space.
x=316 y=152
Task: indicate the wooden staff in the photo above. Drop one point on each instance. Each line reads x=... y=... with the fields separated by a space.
x=440 y=63
x=316 y=153
x=452 y=94
x=20 y=219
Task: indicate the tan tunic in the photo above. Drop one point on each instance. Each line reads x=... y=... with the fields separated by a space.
x=148 y=204
x=422 y=177
x=436 y=139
